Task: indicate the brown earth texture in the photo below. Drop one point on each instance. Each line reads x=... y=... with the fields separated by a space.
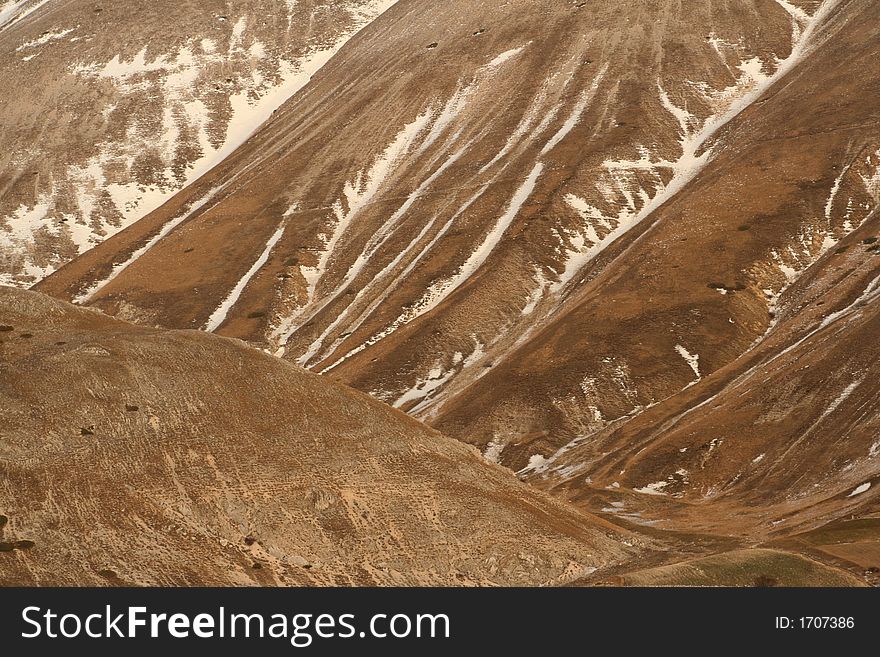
x=470 y=293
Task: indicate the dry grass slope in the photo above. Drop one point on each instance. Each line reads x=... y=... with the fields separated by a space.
x=140 y=456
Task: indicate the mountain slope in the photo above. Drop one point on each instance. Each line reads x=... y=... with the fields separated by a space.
x=628 y=250
x=781 y=436
x=535 y=227
x=700 y=282
x=781 y=441
x=138 y=456
x=118 y=106
x=481 y=175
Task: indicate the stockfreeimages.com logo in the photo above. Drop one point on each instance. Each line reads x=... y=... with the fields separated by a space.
x=300 y=629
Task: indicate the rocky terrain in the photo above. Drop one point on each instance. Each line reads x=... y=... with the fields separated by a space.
x=626 y=250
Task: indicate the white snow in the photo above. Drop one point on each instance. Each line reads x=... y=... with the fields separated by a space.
x=524 y=128
x=380 y=297
x=569 y=471
x=720 y=45
x=219 y=315
x=493 y=451
x=90 y=292
x=752 y=70
x=365 y=187
x=18 y=231
x=864 y=488
x=493 y=237
x=175 y=74
x=358 y=193
x=447 y=115
x=693 y=360
x=537 y=293
x=14 y=11
x=438 y=292
x=536 y=462
x=435 y=380
x=653 y=489
x=529 y=126
x=180 y=73
x=505 y=56
x=438 y=377
x=597 y=232
x=26 y=219
x=44 y=39
x=382 y=278
x=379 y=239
x=791 y=274
x=796 y=12
x=750 y=86
x=432 y=297
x=436 y=123
x=829 y=206
x=442 y=289
x=871 y=293
x=828 y=243
x=799 y=18
x=842 y=397
x=686 y=120
x=583 y=247
x=574 y=118
x=872 y=180
x=238 y=33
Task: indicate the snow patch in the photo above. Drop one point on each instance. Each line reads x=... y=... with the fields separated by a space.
x=438 y=292
x=750 y=85
x=575 y=117
x=864 y=488
x=653 y=489
x=90 y=292
x=842 y=397
x=437 y=377
x=220 y=314
x=358 y=193
x=44 y=39
x=693 y=360
x=505 y=56
x=536 y=463
x=493 y=451
x=15 y=11
x=835 y=188
x=175 y=74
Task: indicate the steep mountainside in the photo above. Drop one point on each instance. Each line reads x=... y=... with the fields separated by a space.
x=440 y=186
x=491 y=245
x=784 y=439
x=700 y=283
x=111 y=108
x=137 y=456
x=627 y=249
